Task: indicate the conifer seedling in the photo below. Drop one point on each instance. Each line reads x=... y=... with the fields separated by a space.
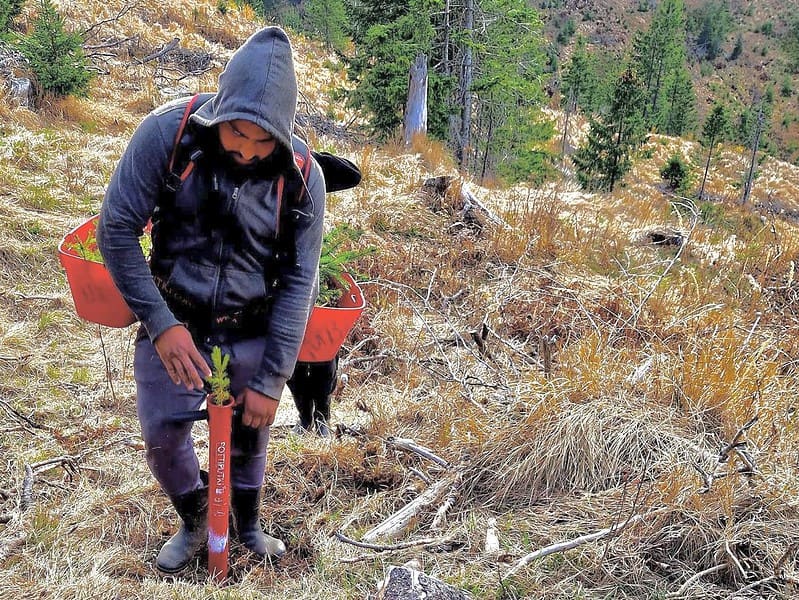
x=218 y=379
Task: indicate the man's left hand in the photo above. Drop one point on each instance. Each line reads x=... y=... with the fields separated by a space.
x=259 y=410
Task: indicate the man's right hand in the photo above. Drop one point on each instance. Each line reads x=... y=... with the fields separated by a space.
x=183 y=362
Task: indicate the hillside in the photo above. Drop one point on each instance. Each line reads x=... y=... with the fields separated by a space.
x=575 y=368
x=734 y=78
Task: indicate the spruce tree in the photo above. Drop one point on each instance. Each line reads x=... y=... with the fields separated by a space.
x=606 y=156
x=54 y=54
x=659 y=58
x=677 y=113
x=579 y=78
x=328 y=18
x=508 y=130
x=713 y=132
x=388 y=37
x=712 y=22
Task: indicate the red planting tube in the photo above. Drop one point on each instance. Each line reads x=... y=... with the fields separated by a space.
x=220 y=418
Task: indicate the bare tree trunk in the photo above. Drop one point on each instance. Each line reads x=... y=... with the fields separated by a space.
x=488 y=140
x=416 y=107
x=447 y=65
x=755 y=144
x=466 y=86
x=707 y=168
x=571 y=105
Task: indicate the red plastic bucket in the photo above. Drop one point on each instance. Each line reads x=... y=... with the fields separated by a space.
x=329 y=326
x=96 y=297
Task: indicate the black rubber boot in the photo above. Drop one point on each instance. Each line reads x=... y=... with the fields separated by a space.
x=193 y=533
x=305 y=410
x=311 y=385
x=246 y=504
x=321 y=415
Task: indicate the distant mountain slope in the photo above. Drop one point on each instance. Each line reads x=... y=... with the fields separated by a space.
x=759 y=66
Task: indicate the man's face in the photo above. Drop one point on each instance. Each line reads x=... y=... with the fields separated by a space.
x=245 y=142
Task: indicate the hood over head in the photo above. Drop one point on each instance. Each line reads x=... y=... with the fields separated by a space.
x=257 y=85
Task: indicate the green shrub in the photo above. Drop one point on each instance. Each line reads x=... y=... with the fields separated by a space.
x=676 y=173
x=8 y=10
x=55 y=55
x=738 y=48
x=786 y=89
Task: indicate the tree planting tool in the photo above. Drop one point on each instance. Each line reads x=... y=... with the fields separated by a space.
x=220 y=423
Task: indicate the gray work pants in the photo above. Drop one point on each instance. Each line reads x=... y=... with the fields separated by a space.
x=170 y=451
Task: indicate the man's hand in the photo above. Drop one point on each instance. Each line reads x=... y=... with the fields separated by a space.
x=259 y=410
x=184 y=363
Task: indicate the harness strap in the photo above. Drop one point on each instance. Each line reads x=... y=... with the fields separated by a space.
x=176 y=180
x=304 y=163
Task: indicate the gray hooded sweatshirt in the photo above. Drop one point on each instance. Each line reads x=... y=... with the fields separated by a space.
x=214 y=240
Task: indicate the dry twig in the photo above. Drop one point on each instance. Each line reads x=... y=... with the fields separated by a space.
x=411 y=446
x=388 y=547
x=694 y=578
x=579 y=541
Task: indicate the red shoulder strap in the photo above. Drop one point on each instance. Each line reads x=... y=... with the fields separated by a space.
x=186 y=114
x=304 y=163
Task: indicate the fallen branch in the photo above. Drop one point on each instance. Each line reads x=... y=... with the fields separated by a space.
x=22 y=358
x=397 y=522
x=20 y=416
x=693 y=579
x=411 y=446
x=736 y=440
x=584 y=539
x=734 y=559
x=389 y=547
x=119 y=15
x=470 y=202
x=166 y=49
x=751 y=586
x=734 y=447
x=420 y=474
x=106 y=45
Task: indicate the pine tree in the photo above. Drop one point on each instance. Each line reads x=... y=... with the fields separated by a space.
x=790 y=45
x=712 y=22
x=677 y=114
x=713 y=132
x=8 y=10
x=388 y=37
x=579 y=77
x=328 y=18
x=606 y=156
x=55 y=55
x=659 y=58
x=508 y=130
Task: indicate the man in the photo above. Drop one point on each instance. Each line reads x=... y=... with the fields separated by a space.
x=234 y=264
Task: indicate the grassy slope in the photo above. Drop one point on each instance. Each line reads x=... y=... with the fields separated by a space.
x=656 y=363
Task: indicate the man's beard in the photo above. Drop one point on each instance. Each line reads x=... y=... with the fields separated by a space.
x=265 y=168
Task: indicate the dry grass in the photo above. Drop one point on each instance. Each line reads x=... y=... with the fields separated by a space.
x=610 y=375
